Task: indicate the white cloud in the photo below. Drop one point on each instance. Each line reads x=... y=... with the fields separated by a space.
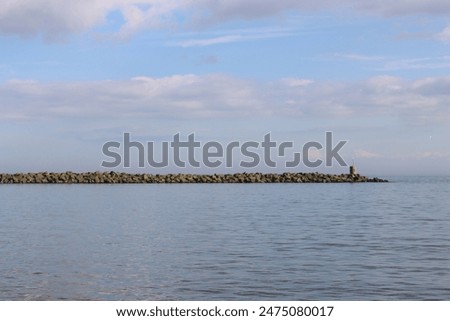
x=380 y=63
x=209 y=41
x=254 y=9
x=235 y=36
x=424 y=101
x=361 y=153
x=56 y=19
x=417 y=63
x=180 y=96
x=444 y=35
x=358 y=57
x=403 y=7
x=296 y=82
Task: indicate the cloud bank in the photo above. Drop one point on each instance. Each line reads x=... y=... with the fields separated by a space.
x=215 y=96
x=56 y=19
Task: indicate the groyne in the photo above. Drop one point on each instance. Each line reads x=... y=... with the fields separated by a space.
x=126 y=178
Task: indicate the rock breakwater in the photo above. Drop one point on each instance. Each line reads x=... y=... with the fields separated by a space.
x=126 y=178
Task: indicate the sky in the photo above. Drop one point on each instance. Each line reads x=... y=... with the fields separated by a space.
x=77 y=74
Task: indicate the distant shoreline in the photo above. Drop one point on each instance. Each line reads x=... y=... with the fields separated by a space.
x=126 y=178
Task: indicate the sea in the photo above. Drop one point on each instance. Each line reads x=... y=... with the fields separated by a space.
x=362 y=241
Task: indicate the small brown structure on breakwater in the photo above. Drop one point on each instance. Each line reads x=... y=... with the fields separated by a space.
x=125 y=178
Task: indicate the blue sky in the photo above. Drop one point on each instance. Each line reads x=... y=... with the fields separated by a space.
x=75 y=74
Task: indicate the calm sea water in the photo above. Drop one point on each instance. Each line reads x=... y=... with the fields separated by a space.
x=226 y=242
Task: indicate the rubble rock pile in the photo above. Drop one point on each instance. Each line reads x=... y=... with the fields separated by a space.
x=125 y=178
